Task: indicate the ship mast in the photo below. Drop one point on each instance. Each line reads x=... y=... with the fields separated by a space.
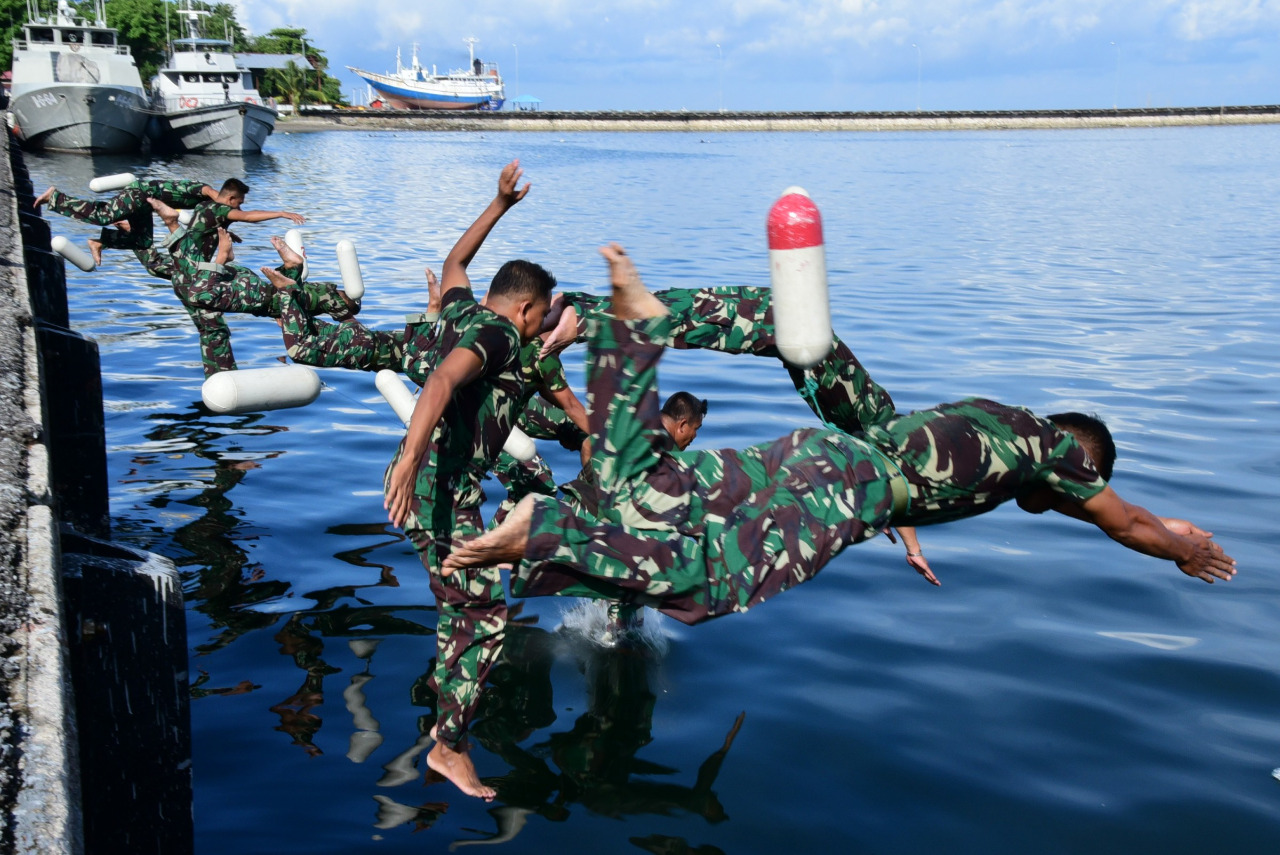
x=471 y=42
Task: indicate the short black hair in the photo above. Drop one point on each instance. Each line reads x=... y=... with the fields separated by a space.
x=1093 y=435
x=522 y=280
x=682 y=405
x=234 y=184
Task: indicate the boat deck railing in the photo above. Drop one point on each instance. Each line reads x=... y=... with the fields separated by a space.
x=24 y=44
x=192 y=102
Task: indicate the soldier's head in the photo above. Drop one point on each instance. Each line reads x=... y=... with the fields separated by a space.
x=682 y=417
x=233 y=192
x=521 y=293
x=1093 y=436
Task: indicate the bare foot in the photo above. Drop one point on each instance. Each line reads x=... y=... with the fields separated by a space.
x=562 y=335
x=288 y=257
x=167 y=215
x=631 y=300
x=224 y=253
x=433 y=291
x=458 y=768
x=278 y=279
x=43 y=199
x=123 y=225
x=95 y=249
x=500 y=545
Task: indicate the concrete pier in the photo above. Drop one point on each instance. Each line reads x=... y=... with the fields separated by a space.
x=314 y=119
x=94 y=703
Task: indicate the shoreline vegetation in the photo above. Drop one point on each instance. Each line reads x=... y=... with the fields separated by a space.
x=312 y=120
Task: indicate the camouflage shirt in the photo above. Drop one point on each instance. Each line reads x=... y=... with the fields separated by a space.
x=200 y=241
x=966 y=458
x=475 y=424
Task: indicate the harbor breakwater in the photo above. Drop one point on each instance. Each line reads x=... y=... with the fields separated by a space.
x=324 y=119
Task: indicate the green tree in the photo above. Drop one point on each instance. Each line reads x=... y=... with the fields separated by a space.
x=289 y=83
x=141 y=26
x=13 y=14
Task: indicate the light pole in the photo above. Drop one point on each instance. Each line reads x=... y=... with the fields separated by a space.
x=918 y=65
x=720 y=54
x=517 y=70
x=1115 y=92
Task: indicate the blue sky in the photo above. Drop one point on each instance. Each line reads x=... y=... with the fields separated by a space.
x=822 y=54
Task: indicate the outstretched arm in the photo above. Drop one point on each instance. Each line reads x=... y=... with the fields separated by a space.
x=237 y=216
x=1142 y=531
x=567 y=401
x=459 y=368
x=915 y=554
x=454 y=273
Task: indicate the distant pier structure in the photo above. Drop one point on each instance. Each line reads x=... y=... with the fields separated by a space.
x=328 y=118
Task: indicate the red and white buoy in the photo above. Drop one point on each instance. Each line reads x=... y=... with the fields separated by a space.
x=798 y=276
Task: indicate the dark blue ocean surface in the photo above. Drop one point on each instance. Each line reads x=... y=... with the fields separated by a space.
x=1057 y=694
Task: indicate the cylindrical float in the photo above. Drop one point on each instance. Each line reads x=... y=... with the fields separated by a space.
x=293 y=238
x=798 y=275
x=185 y=216
x=72 y=253
x=519 y=445
x=253 y=390
x=396 y=393
x=349 y=266
x=106 y=183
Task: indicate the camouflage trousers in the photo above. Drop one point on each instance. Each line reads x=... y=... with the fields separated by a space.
x=740 y=320
x=349 y=344
x=131 y=206
x=696 y=534
x=210 y=292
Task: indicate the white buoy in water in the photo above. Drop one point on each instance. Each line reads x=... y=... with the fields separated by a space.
x=293 y=238
x=106 y=183
x=253 y=390
x=72 y=253
x=349 y=266
x=798 y=275
x=185 y=216
x=396 y=393
x=519 y=446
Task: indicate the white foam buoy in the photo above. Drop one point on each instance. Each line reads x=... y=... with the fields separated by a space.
x=185 y=216
x=519 y=445
x=72 y=253
x=253 y=390
x=396 y=393
x=349 y=266
x=105 y=183
x=293 y=238
x=798 y=275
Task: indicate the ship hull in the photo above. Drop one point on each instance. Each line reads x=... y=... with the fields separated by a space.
x=69 y=117
x=228 y=128
x=444 y=94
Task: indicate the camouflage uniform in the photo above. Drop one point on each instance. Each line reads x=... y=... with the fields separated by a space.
x=697 y=534
x=445 y=508
x=131 y=205
x=349 y=344
x=708 y=533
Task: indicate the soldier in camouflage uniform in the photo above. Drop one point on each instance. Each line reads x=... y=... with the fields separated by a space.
x=470 y=371
x=706 y=534
x=193 y=250
x=131 y=206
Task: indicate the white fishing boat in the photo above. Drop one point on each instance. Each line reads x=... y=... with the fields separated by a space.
x=75 y=87
x=205 y=100
x=477 y=87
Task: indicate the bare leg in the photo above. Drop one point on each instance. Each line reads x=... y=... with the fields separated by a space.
x=631 y=300
x=42 y=199
x=433 y=291
x=458 y=768
x=95 y=249
x=166 y=214
x=501 y=545
x=288 y=258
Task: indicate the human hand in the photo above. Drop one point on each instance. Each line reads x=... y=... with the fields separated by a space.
x=1184 y=528
x=507 y=181
x=1208 y=561
x=433 y=291
x=296 y=219
x=920 y=564
x=400 y=491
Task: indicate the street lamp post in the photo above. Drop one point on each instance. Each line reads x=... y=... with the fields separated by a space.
x=720 y=54
x=1115 y=91
x=517 y=70
x=918 y=65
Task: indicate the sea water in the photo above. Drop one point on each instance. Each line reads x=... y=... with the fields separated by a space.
x=1058 y=693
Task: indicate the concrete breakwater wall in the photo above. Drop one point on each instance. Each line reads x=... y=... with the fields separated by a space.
x=312 y=119
x=94 y=718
